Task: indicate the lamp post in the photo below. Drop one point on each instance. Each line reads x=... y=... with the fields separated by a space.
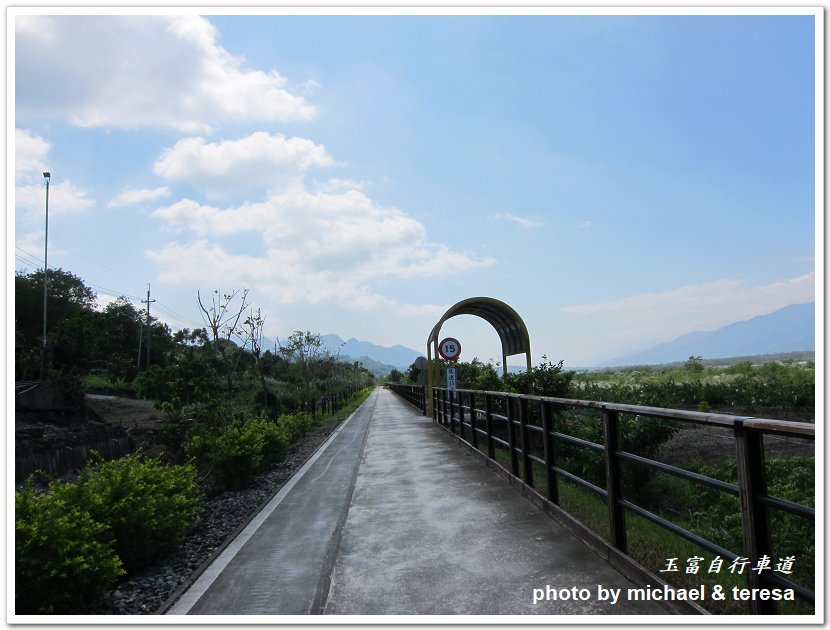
x=45 y=367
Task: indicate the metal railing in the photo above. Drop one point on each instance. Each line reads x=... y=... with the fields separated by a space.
x=526 y=427
x=413 y=394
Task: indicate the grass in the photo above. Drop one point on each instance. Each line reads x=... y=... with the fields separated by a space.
x=347 y=408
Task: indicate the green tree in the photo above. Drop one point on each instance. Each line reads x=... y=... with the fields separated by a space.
x=117 y=342
x=694 y=365
x=68 y=299
x=312 y=363
x=545 y=379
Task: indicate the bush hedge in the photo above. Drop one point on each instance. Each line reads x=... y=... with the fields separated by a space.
x=64 y=558
x=233 y=456
x=147 y=505
x=75 y=540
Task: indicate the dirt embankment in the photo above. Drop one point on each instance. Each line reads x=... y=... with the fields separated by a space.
x=698 y=444
x=126 y=413
x=57 y=444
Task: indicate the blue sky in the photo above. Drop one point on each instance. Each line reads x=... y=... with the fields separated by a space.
x=618 y=179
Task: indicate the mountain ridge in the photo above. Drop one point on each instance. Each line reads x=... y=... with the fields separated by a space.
x=791 y=328
x=396 y=356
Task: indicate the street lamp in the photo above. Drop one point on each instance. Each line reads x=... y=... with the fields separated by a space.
x=47 y=176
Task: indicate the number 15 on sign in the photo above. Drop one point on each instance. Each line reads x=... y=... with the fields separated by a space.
x=450 y=349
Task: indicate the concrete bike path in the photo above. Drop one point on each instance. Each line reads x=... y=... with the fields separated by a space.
x=431 y=531
x=280 y=563
x=392 y=517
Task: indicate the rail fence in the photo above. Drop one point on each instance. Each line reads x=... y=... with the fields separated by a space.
x=526 y=432
x=413 y=394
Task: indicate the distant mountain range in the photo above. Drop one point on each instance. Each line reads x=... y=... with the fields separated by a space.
x=789 y=329
x=399 y=357
x=379 y=360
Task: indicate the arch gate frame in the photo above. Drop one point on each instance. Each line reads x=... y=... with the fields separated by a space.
x=509 y=325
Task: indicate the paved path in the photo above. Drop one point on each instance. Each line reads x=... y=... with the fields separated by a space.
x=281 y=562
x=394 y=518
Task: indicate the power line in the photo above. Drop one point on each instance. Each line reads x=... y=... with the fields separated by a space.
x=160 y=306
x=34 y=259
x=100 y=264
x=134 y=298
x=28 y=263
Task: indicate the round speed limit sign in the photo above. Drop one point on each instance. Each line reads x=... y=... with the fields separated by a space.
x=450 y=349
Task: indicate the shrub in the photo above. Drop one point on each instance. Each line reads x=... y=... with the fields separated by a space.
x=274 y=441
x=546 y=379
x=231 y=458
x=294 y=425
x=147 y=505
x=63 y=558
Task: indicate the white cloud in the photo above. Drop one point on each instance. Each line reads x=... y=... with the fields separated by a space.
x=256 y=162
x=523 y=222
x=133 y=71
x=65 y=197
x=30 y=153
x=585 y=224
x=130 y=196
x=318 y=246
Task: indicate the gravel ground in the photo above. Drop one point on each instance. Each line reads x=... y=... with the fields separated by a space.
x=146 y=592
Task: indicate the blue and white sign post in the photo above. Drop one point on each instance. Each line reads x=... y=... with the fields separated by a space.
x=451 y=378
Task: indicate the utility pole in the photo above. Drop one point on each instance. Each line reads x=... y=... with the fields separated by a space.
x=44 y=368
x=148 y=301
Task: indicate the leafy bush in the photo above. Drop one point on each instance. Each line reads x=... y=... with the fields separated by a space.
x=295 y=425
x=742 y=386
x=191 y=380
x=792 y=479
x=274 y=441
x=147 y=505
x=546 y=379
x=231 y=458
x=640 y=435
x=63 y=557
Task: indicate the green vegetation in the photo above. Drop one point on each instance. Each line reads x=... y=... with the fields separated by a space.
x=63 y=557
x=146 y=505
x=742 y=387
x=73 y=541
x=232 y=409
x=221 y=369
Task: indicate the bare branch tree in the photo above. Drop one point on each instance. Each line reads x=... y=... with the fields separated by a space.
x=252 y=327
x=222 y=319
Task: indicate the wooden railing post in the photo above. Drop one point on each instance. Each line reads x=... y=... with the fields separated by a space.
x=511 y=437
x=549 y=445
x=613 y=478
x=442 y=403
x=488 y=424
x=527 y=463
x=752 y=483
x=471 y=398
x=459 y=397
x=448 y=403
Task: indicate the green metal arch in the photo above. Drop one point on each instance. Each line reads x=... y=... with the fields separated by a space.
x=502 y=317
